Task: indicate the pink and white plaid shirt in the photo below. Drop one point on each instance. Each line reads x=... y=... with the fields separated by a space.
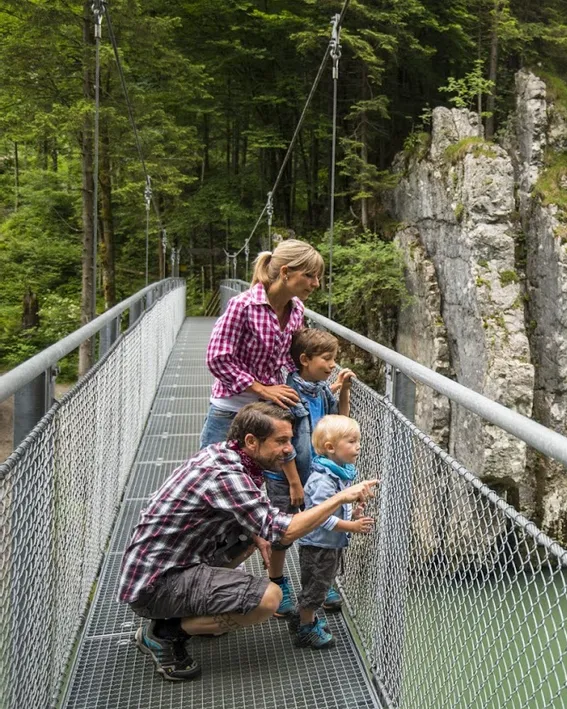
x=247 y=343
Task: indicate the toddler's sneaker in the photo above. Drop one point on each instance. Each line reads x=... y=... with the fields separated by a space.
x=315 y=635
x=333 y=602
x=294 y=623
x=287 y=605
x=169 y=656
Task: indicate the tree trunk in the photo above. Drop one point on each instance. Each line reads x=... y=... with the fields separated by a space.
x=314 y=182
x=16 y=178
x=364 y=150
x=30 y=316
x=88 y=306
x=307 y=174
x=493 y=69
x=107 y=255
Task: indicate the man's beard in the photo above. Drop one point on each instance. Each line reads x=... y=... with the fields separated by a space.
x=269 y=463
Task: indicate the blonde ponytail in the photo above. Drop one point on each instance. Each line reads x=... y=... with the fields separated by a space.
x=293 y=253
x=261 y=268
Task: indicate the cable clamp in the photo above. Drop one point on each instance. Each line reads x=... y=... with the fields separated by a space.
x=270 y=208
x=98 y=8
x=335 y=44
x=148 y=193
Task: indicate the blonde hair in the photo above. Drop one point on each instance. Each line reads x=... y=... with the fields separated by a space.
x=332 y=428
x=296 y=255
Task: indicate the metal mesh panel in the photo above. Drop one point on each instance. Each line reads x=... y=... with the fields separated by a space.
x=458 y=599
x=59 y=493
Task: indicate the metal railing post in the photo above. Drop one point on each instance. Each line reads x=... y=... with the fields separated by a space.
x=134 y=312
x=108 y=336
x=31 y=402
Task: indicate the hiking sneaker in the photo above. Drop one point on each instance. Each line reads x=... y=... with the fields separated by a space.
x=333 y=602
x=315 y=635
x=287 y=605
x=294 y=623
x=169 y=656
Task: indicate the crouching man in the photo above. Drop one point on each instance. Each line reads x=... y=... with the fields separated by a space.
x=179 y=568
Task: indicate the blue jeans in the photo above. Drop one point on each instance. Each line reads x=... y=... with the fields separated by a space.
x=215 y=428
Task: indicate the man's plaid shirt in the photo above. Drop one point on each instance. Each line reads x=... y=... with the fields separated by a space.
x=211 y=496
x=247 y=343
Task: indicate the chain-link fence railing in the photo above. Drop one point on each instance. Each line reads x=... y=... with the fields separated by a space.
x=456 y=599
x=59 y=494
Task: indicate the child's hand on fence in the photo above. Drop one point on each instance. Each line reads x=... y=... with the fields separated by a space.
x=364 y=525
x=358 y=510
x=344 y=379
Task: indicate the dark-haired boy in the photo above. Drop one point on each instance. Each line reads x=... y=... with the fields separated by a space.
x=313 y=352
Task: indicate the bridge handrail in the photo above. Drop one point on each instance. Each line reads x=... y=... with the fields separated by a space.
x=544 y=440
x=30 y=369
x=457 y=599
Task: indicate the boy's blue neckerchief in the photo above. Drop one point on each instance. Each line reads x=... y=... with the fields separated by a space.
x=312 y=389
x=345 y=472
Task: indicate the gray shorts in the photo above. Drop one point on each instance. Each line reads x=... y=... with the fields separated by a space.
x=278 y=493
x=319 y=567
x=200 y=590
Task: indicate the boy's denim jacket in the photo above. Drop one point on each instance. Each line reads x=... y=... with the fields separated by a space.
x=322 y=485
x=302 y=429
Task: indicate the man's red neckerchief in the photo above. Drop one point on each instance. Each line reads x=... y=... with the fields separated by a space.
x=250 y=465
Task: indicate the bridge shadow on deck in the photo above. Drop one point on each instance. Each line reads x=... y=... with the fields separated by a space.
x=256 y=668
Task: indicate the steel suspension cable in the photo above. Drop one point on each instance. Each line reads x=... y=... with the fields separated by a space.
x=112 y=37
x=268 y=207
x=336 y=55
x=98 y=10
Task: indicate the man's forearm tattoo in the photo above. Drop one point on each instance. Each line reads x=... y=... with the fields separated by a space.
x=226 y=622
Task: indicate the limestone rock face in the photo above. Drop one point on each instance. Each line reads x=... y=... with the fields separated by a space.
x=457 y=204
x=486 y=257
x=539 y=130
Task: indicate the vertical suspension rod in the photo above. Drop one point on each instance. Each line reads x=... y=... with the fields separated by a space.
x=335 y=55
x=98 y=11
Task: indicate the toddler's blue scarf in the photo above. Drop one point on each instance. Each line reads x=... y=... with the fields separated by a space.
x=345 y=472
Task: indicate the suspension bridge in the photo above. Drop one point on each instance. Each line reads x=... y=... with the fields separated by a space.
x=456 y=600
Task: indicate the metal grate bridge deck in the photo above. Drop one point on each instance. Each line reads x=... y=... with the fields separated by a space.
x=256 y=668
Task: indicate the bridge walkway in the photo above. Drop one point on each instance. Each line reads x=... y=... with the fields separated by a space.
x=256 y=668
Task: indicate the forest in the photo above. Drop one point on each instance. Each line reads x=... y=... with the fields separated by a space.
x=216 y=88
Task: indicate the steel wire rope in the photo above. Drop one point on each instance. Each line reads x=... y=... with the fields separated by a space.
x=335 y=46
x=336 y=21
x=98 y=10
x=148 y=191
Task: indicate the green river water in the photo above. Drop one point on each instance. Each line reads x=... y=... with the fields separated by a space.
x=498 y=644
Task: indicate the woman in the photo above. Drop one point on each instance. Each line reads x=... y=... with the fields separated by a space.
x=250 y=345
x=250 y=342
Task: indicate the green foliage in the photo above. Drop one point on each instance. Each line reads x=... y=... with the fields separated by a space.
x=556 y=89
x=479 y=147
x=467 y=89
x=507 y=277
x=417 y=145
x=368 y=276
x=459 y=212
x=551 y=185
x=217 y=89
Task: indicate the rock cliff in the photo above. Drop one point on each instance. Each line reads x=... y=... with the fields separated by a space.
x=485 y=250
